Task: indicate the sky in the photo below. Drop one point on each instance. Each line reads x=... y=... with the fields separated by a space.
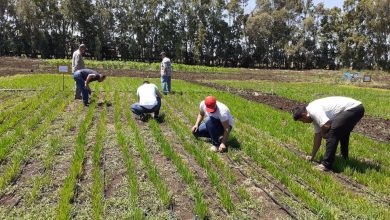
x=328 y=4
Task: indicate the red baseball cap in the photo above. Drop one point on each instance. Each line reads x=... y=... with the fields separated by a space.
x=211 y=103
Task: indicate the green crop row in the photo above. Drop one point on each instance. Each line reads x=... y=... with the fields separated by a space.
x=76 y=167
x=54 y=147
x=24 y=150
x=188 y=112
x=129 y=163
x=373 y=99
x=242 y=113
x=154 y=176
x=27 y=108
x=184 y=171
x=98 y=184
x=21 y=131
x=93 y=64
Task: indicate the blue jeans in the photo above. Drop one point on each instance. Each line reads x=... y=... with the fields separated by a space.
x=139 y=109
x=166 y=84
x=80 y=86
x=210 y=128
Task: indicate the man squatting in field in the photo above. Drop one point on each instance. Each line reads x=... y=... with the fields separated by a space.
x=333 y=119
x=166 y=73
x=218 y=122
x=83 y=77
x=149 y=101
x=78 y=64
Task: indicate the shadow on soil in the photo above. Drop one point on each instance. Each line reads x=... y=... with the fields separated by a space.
x=234 y=144
x=357 y=165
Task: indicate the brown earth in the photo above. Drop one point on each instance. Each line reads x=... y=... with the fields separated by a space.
x=14 y=65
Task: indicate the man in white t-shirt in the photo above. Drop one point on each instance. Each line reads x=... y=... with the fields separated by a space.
x=219 y=122
x=333 y=119
x=166 y=73
x=149 y=101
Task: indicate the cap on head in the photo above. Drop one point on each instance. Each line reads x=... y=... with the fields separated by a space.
x=82 y=46
x=298 y=112
x=211 y=104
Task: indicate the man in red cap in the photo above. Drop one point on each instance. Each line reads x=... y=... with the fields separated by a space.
x=219 y=122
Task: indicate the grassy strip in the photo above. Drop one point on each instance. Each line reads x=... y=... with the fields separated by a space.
x=55 y=146
x=216 y=181
x=280 y=125
x=21 y=131
x=184 y=171
x=154 y=176
x=22 y=153
x=76 y=167
x=306 y=92
x=142 y=66
x=325 y=185
x=129 y=163
x=98 y=184
x=13 y=102
x=29 y=108
x=8 y=114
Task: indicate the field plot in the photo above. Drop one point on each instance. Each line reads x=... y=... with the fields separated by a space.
x=60 y=160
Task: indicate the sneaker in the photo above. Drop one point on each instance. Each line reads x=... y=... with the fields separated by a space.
x=142 y=117
x=213 y=148
x=321 y=167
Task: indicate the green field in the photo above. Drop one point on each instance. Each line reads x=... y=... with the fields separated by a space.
x=60 y=160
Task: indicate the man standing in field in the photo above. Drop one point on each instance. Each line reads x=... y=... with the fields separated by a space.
x=83 y=77
x=218 y=122
x=333 y=118
x=78 y=64
x=149 y=101
x=166 y=73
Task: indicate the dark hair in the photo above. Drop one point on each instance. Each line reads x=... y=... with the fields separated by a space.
x=298 y=112
x=103 y=76
x=146 y=82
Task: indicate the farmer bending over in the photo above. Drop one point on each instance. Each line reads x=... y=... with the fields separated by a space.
x=218 y=122
x=83 y=77
x=333 y=118
x=149 y=101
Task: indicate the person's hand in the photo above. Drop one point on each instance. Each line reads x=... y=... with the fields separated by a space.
x=309 y=158
x=195 y=128
x=222 y=147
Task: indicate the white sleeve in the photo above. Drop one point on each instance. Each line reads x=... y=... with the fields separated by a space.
x=202 y=107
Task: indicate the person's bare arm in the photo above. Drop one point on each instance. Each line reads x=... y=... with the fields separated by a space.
x=88 y=80
x=226 y=132
x=316 y=146
x=159 y=94
x=199 y=119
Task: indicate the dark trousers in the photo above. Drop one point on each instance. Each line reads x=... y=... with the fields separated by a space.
x=139 y=109
x=340 y=131
x=80 y=86
x=210 y=128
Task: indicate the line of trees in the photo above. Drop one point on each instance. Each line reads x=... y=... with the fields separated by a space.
x=277 y=34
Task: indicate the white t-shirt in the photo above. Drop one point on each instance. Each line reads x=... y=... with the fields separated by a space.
x=166 y=63
x=77 y=61
x=222 y=112
x=326 y=109
x=147 y=94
